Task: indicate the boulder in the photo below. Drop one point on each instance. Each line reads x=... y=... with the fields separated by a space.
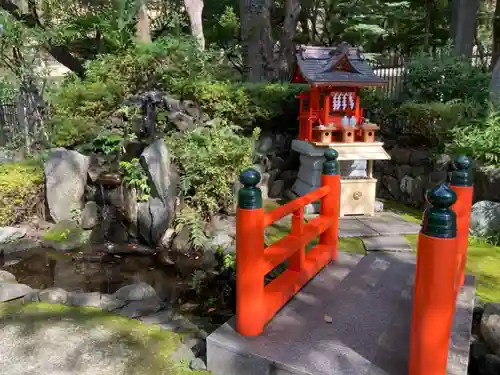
x=7 y=277
x=135 y=292
x=92 y=299
x=90 y=215
x=53 y=295
x=66 y=235
x=182 y=241
x=182 y=121
x=264 y=144
x=485 y=219
x=10 y=291
x=220 y=240
x=156 y=215
x=154 y=218
x=65 y=180
x=490 y=326
x=11 y=234
x=136 y=309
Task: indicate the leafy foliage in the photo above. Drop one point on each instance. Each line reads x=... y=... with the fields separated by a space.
x=479 y=139
x=135 y=176
x=444 y=79
x=210 y=160
x=20 y=187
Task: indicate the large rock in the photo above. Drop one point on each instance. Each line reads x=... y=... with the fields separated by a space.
x=155 y=216
x=135 y=292
x=485 y=219
x=10 y=291
x=490 y=326
x=66 y=235
x=162 y=171
x=90 y=215
x=66 y=177
x=11 y=234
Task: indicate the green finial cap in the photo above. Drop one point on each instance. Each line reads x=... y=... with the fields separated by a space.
x=250 y=196
x=331 y=165
x=462 y=175
x=440 y=220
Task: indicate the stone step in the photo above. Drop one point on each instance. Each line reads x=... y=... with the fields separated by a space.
x=369 y=301
x=387 y=243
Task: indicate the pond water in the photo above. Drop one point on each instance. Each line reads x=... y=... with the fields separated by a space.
x=96 y=271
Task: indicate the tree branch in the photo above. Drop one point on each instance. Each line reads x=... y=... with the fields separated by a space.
x=61 y=53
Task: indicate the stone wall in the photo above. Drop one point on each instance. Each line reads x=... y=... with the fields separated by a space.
x=411 y=171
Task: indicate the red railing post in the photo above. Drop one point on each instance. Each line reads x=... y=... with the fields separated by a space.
x=250 y=256
x=462 y=185
x=330 y=204
x=434 y=294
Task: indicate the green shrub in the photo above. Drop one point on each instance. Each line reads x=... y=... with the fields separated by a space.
x=82 y=108
x=20 y=188
x=445 y=78
x=210 y=160
x=479 y=139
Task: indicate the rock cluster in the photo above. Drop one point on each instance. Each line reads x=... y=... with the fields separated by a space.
x=276 y=163
x=484 y=358
x=135 y=301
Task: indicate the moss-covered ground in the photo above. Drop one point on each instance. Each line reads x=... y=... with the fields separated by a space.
x=127 y=346
x=20 y=185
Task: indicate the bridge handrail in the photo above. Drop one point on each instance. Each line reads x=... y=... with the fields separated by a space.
x=441 y=258
x=257 y=303
x=288 y=208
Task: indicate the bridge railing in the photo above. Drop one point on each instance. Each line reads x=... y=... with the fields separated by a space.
x=441 y=259
x=257 y=303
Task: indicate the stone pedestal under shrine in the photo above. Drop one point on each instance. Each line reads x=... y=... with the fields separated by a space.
x=356 y=163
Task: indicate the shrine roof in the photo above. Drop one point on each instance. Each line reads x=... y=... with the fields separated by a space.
x=343 y=65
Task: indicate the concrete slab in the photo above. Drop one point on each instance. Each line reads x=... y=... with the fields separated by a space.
x=389 y=224
x=387 y=243
x=352 y=227
x=369 y=299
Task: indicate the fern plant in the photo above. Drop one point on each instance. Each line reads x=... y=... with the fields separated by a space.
x=191 y=219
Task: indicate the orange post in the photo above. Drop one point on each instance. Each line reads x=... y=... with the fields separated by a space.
x=462 y=185
x=434 y=294
x=250 y=257
x=330 y=204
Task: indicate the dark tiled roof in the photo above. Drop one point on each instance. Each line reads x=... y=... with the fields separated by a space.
x=316 y=65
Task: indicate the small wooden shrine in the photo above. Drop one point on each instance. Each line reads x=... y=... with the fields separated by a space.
x=331 y=116
x=330 y=111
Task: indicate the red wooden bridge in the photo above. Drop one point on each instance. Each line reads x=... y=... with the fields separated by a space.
x=346 y=314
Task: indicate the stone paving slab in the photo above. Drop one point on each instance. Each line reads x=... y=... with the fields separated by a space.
x=387 y=243
x=388 y=224
x=384 y=224
x=369 y=301
x=355 y=228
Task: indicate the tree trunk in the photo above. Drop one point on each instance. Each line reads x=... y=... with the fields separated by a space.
x=495 y=84
x=496 y=35
x=143 y=25
x=463 y=41
x=256 y=40
x=194 y=9
x=287 y=46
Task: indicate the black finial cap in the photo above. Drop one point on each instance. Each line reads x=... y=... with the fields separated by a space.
x=331 y=165
x=440 y=220
x=462 y=174
x=250 y=196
